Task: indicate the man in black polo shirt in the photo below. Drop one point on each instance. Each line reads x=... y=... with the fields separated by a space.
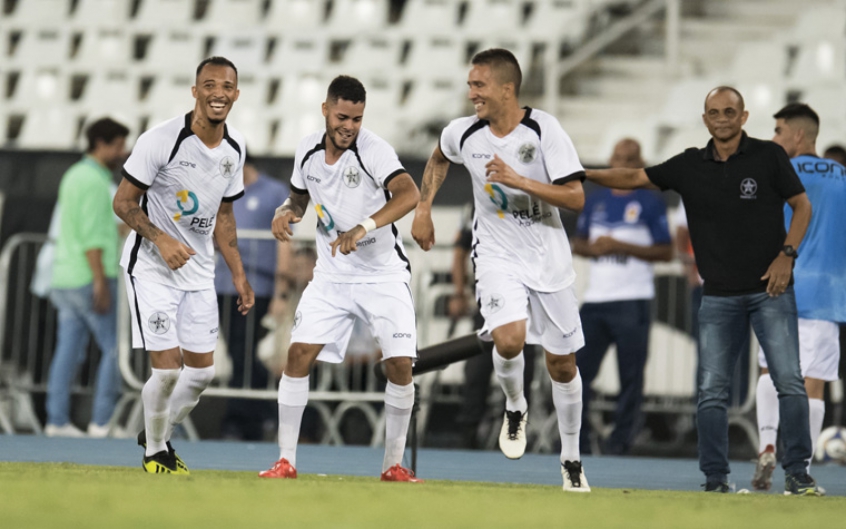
x=734 y=192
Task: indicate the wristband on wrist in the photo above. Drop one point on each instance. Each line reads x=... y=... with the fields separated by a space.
x=368 y=224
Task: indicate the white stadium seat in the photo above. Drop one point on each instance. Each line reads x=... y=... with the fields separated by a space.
x=40 y=88
x=110 y=91
x=369 y=55
x=299 y=53
x=421 y=17
x=229 y=15
x=493 y=17
x=818 y=62
x=169 y=96
x=101 y=13
x=105 y=48
x=558 y=20
x=41 y=46
x=34 y=13
x=295 y=15
x=246 y=50
x=173 y=51
x=354 y=17
x=164 y=13
x=436 y=56
x=50 y=127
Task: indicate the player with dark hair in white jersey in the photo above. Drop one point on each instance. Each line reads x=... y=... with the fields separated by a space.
x=185 y=172
x=359 y=189
x=523 y=166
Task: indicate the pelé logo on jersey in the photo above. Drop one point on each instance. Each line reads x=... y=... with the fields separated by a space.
x=324 y=217
x=187 y=202
x=498 y=197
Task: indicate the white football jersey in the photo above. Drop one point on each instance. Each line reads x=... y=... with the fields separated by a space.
x=185 y=183
x=343 y=195
x=511 y=228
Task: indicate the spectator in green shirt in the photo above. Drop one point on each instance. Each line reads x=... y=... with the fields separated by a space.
x=84 y=282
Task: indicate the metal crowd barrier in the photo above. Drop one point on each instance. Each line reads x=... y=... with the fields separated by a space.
x=27 y=346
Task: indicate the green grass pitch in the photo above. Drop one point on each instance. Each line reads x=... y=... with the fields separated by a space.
x=36 y=495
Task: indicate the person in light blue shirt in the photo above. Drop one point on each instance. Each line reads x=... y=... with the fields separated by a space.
x=245 y=419
x=820 y=281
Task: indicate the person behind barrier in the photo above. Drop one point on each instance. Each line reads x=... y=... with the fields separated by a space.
x=478 y=368
x=186 y=172
x=734 y=192
x=820 y=282
x=622 y=232
x=359 y=189
x=84 y=281
x=523 y=167
x=246 y=418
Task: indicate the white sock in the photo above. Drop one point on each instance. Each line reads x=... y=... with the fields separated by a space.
x=293 y=397
x=192 y=382
x=509 y=373
x=816 y=412
x=567 y=397
x=399 y=400
x=766 y=408
x=156 y=397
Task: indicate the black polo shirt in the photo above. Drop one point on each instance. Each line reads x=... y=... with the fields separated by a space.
x=735 y=210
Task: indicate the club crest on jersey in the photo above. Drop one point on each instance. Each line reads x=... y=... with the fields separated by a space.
x=527 y=153
x=227 y=167
x=324 y=217
x=748 y=188
x=632 y=213
x=187 y=202
x=159 y=323
x=352 y=176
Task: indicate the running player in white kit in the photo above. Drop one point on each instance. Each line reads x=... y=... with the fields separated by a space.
x=186 y=172
x=359 y=188
x=523 y=166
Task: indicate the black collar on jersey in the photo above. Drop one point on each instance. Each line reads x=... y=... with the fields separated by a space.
x=708 y=151
x=482 y=123
x=186 y=133
x=354 y=148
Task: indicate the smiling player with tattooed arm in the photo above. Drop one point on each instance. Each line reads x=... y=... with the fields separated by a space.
x=185 y=172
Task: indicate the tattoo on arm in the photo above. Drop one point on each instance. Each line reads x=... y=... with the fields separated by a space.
x=296 y=203
x=136 y=219
x=433 y=177
x=225 y=230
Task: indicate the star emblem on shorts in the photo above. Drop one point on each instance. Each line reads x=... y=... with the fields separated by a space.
x=159 y=323
x=495 y=302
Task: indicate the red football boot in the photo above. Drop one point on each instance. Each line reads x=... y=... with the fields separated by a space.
x=398 y=473
x=281 y=469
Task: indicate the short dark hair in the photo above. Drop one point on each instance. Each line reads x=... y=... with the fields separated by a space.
x=731 y=89
x=105 y=130
x=216 y=61
x=797 y=110
x=505 y=65
x=346 y=88
x=836 y=152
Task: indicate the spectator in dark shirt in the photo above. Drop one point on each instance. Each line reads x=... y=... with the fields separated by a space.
x=734 y=192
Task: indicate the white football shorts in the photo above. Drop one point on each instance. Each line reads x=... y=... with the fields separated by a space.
x=164 y=317
x=819 y=349
x=553 y=317
x=327 y=312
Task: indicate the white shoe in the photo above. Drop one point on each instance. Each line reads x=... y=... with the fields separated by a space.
x=98 y=432
x=512 y=437
x=68 y=430
x=574 y=477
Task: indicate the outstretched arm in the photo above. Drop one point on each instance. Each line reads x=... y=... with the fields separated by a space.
x=126 y=206
x=422 y=229
x=404 y=195
x=620 y=178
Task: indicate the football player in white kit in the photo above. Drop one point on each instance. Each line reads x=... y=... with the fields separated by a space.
x=359 y=188
x=186 y=172
x=523 y=166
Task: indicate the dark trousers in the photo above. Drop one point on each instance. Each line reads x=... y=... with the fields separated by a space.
x=625 y=324
x=245 y=418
